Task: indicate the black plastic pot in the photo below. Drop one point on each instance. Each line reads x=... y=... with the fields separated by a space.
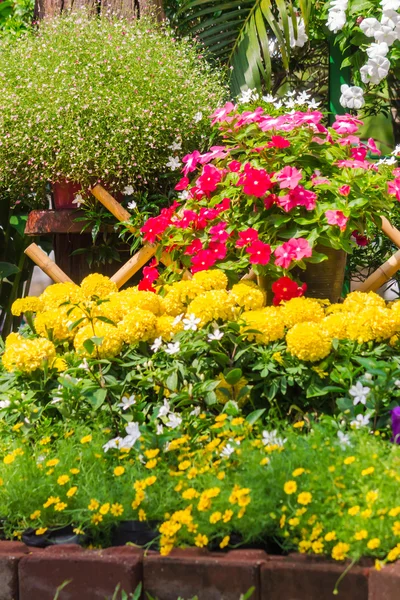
x=140 y=533
x=53 y=537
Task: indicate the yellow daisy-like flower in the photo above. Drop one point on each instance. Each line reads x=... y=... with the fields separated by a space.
x=308 y=342
x=367 y=471
x=118 y=471
x=63 y=479
x=104 y=508
x=96 y=519
x=86 y=439
x=41 y=531
x=354 y=510
x=93 y=504
x=225 y=541
x=301 y=310
x=72 y=491
x=201 y=540
x=361 y=535
x=339 y=552
x=27 y=304
x=304 y=498
x=51 y=500
x=290 y=487
x=396 y=528
x=60 y=506
x=330 y=536
x=116 y=509
x=35 y=515
x=374 y=543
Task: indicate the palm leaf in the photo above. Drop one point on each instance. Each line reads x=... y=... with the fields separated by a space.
x=238 y=33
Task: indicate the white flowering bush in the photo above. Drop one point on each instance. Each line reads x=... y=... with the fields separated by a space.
x=94 y=99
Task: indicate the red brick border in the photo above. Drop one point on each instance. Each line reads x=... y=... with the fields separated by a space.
x=32 y=574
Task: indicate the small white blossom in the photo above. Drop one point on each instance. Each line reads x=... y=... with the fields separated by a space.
x=128 y=190
x=173 y=348
x=84 y=365
x=344 y=440
x=360 y=421
x=352 y=96
x=173 y=163
x=173 y=421
x=313 y=104
x=195 y=412
x=301 y=37
x=159 y=429
x=176 y=146
x=114 y=443
x=156 y=345
x=227 y=451
x=191 y=322
x=359 y=393
x=375 y=50
x=178 y=319
x=215 y=335
x=368 y=376
x=4 y=404
x=198 y=117
x=270 y=438
x=132 y=205
x=165 y=409
x=370 y=26
x=132 y=429
x=127 y=402
x=385 y=34
x=183 y=195
x=78 y=200
x=269 y=98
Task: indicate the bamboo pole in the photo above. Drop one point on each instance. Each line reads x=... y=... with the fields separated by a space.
x=47 y=265
x=112 y=205
x=382 y=274
x=133 y=265
x=392 y=233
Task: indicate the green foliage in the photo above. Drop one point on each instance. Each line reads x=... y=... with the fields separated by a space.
x=106 y=100
x=15 y=17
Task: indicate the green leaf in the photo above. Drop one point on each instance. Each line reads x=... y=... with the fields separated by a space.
x=76 y=323
x=6 y=268
x=172 y=381
x=255 y=415
x=99 y=396
x=18 y=222
x=89 y=346
x=233 y=376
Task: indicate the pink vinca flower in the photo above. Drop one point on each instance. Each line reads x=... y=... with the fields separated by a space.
x=289 y=177
x=246 y=237
x=277 y=141
x=284 y=255
x=191 y=161
x=182 y=184
x=372 y=147
x=394 y=188
x=221 y=114
x=219 y=233
x=256 y=181
x=218 y=249
x=234 y=166
x=209 y=179
x=260 y=253
x=215 y=152
x=194 y=247
x=300 y=248
x=336 y=217
x=344 y=190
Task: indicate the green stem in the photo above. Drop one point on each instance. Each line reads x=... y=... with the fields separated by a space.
x=14 y=293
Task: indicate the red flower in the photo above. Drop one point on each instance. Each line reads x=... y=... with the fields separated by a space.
x=260 y=253
x=209 y=179
x=277 y=141
x=194 y=247
x=234 y=166
x=182 y=184
x=344 y=190
x=154 y=228
x=285 y=289
x=246 y=237
x=204 y=260
x=359 y=153
x=224 y=205
x=218 y=232
x=256 y=182
x=150 y=274
x=361 y=240
x=218 y=249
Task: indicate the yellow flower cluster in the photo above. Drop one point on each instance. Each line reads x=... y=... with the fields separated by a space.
x=27 y=355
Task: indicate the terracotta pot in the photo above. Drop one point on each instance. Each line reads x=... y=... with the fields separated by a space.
x=325 y=279
x=64 y=193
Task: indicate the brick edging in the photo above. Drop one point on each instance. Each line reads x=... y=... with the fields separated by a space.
x=33 y=574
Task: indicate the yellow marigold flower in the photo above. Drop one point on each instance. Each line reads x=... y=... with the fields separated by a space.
x=110 y=345
x=28 y=304
x=72 y=491
x=28 y=355
x=368 y=471
x=268 y=322
x=366 y=513
x=167 y=327
x=93 y=504
x=98 y=285
x=118 y=471
x=308 y=342
x=304 y=498
x=51 y=500
x=299 y=425
x=133 y=298
x=116 y=509
x=86 y=439
x=225 y=541
x=361 y=535
x=303 y=546
x=104 y=508
x=372 y=323
x=339 y=552
x=212 y=279
x=184 y=465
x=137 y=326
x=374 y=543
x=53 y=324
x=96 y=519
x=8 y=459
x=151 y=463
x=294 y=521
x=330 y=536
x=357 y=300
x=142 y=515
x=349 y=460
x=59 y=293
x=212 y=306
x=178 y=296
x=396 y=528
x=74 y=471
x=354 y=510
x=201 y=540
x=298 y=472
x=290 y=487
x=41 y=531
x=60 y=506
x=372 y=496
x=215 y=517
x=248 y=297
x=35 y=515
x=336 y=325
x=189 y=494
x=301 y=310
x=227 y=516
x=63 y=479
x=317 y=547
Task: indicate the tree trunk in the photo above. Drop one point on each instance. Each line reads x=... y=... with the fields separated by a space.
x=130 y=9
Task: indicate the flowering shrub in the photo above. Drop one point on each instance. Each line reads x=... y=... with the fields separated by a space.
x=279 y=186
x=197 y=342
x=209 y=482
x=89 y=100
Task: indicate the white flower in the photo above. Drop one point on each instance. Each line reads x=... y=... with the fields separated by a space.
x=128 y=190
x=360 y=421
x=368 y=376
x=191 y=322
x=370 y=26
x=178 y=319
x=132 y=205
x=114 y=443
x=290 y=103
x=173 y=421
x=183 y=195
x=173 y=163
x=127 y=402
x=156 y=345
x=377 y=50
x=344 y=439
x=84 y=365
x=159 y=429
x=195 y=412
x=269 y=98
x=176 y=146
x=337 y=15
x=132 y=429
x=248 y=95
x=301 y=37
x=390 y=5
x=198 y=117
x=397 y=383
x=302 y=98
x=352 y=96
x=396 y=151
x=78 y=200
x=173 y=348
x=4 y=403
x=270 y=438
x=56 y=400
x=385 y=34
x=390 y=18
x=313 y=104
x=359 y=393
x=375 y=70
x=227 y=451
x=165 y=409
x=215 y=335
x=278 y=104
